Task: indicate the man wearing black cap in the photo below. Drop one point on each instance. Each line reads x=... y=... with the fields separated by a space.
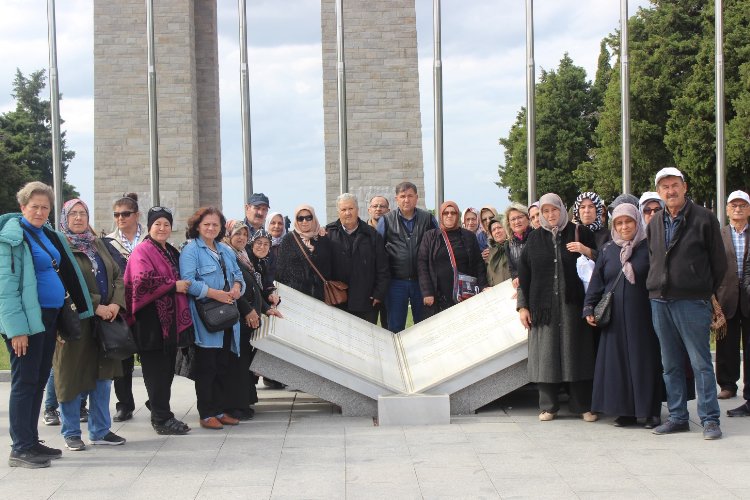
x=256 y=211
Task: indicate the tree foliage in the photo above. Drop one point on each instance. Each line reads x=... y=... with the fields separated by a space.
x=26 y=141
x=672 y=107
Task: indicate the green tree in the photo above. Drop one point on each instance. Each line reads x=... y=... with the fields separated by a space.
x=26 y=139
x=564 y=113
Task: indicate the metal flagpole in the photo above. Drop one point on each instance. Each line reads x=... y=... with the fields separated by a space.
x=437 y=83
x=341 y=93
x=625 y=96
x=247 y=157
x=153 y=133
x=720 y=164
x=530 y=106
x=54 y=92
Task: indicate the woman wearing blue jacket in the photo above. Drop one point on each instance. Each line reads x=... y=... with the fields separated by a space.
x=211 y=268
x=37 y=268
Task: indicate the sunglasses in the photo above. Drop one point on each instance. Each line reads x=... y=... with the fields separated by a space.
x=124 y=214
x=161 y=209
x=649 y=211
x=307 y=218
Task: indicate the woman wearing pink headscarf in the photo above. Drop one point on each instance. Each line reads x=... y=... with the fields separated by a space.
x=292 y=268
x=438 y=271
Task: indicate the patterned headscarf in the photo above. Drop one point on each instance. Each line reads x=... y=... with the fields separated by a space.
x=627 y=246
x=555 y=201
x=275 y=241
x=475 y=212
x=233 y=227
x=83 y=242
x=598 y=204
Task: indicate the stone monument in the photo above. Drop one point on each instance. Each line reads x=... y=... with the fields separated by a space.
x=382 y=99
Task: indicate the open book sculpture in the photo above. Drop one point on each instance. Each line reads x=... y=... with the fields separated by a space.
x=475 y=352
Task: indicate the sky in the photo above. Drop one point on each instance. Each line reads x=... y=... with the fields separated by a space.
x=484 y=86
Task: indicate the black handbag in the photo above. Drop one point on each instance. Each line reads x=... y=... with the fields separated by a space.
x=115 y=339
x=68 y=321
x=603 y=309
x=218 y=316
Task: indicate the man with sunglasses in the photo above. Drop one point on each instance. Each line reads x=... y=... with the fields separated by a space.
x=734 y=302
x=402 y=229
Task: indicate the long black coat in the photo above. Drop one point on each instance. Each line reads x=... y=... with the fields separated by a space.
x=627 y=376
x=292 y=269
x=360 y=261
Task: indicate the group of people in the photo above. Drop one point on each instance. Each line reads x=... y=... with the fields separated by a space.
x=661 y=259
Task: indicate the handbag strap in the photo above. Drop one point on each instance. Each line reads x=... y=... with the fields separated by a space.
x=617 y=280
x=223 y=270
x=453 y=262
x=307 y=257
x=43 y=247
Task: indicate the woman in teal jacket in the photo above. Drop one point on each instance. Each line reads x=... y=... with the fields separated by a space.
x=37 y=268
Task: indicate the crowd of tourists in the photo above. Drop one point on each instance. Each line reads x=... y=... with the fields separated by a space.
x=619 y=301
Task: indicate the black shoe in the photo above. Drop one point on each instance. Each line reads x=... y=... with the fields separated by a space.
x=624 y=421
x=122 y=415
x=742 y=411
x=171 y=427
x=110 y=439
x=51 y=417
x=75 y=443
x=652 y=422
x=46 y=451
x=84 y=414
x=670 y=427
x=28 y=459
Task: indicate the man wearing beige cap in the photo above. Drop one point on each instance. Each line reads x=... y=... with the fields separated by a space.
x=734 y=302
x=687 y=265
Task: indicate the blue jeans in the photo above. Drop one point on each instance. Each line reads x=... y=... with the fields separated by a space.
x=400 y=294
x=28 y=376
x=683 y=328
x=99 y=419
x=50 y=400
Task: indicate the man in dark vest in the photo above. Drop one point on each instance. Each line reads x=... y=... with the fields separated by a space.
x=688 y=262
x=402 y=230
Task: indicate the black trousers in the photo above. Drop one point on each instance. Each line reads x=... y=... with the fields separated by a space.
x=211 y=380
x=158 y=374
x=370 y=316
x=728 y=354
x=580 y=396
x=124 y=386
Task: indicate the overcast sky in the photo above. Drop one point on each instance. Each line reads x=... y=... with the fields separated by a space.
x=483 y=86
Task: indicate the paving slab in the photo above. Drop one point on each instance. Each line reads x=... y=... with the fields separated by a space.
x=299 y=446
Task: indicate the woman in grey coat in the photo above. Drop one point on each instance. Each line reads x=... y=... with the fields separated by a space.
x=550 y=299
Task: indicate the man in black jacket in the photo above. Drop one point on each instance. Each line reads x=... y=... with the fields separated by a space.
x=687 y=265
x=358 y=259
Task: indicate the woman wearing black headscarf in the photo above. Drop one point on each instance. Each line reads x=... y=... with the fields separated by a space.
x=550 y=297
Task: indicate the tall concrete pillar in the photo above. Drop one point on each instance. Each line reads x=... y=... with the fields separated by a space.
x=382 y=85
x=187 y=72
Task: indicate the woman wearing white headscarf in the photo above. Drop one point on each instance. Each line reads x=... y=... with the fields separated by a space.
x=627 y=377
x=292 y=267
x=277 y=229
x=550 y=298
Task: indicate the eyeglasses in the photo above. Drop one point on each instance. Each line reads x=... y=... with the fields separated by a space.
x=486 y=219
x=378 y=206
x=738 y=206
x=519 y=218
x=160 y=209
x=258 y=243
x=450 y=212
x=649 y=211
x=124 y=214
x=307 y=218
x=75 y=215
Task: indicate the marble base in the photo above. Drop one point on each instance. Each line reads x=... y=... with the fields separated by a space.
x=414 y=409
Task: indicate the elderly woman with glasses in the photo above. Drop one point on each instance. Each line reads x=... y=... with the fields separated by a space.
x=127 y=235
x=293 y=269
x=444 y=254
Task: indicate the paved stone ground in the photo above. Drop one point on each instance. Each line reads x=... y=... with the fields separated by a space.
x=300 y=447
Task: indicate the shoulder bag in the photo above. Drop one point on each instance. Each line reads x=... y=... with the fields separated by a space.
x=603 y=309
x=218 y=316
x=68 y=322
x=115 y=338
x=464 y=286
x=334 y=292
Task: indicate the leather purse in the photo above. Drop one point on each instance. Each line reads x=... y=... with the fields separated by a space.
x=218 y=316
x=603 y=309
x=334 y=292
x=464 y=286
x=68 y=321
x=115 y=338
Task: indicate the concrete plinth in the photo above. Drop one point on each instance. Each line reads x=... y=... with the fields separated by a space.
x=414 y=409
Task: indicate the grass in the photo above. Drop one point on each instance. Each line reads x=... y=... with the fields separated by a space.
x=4 y=357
